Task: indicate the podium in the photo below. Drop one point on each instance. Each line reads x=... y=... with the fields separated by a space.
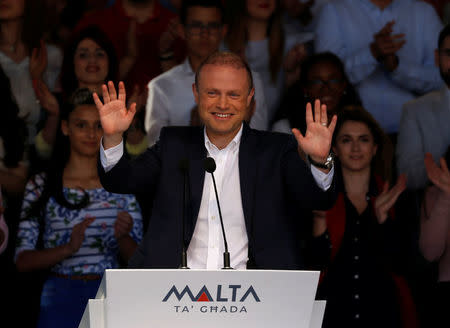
x=200 y=298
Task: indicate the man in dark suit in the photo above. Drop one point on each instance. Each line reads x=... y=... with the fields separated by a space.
x=262 y=181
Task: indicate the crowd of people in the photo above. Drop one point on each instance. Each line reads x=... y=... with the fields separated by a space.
x=368 y=79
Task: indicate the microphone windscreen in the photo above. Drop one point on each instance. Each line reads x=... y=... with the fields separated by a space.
x=183 y=165
x=210 y=164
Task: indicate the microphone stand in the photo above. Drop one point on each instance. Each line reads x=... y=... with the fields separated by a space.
x=184 y=166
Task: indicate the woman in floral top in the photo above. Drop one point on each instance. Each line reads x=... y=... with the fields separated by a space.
x=83 y=227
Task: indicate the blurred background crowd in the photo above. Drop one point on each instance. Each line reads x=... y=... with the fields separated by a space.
x=383 y=66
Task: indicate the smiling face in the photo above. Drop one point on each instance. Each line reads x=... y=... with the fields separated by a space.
x=90 y=63
x=326 y=82
x=355 y=146
x=84 y=130
x=223 y=99
x=203 y=31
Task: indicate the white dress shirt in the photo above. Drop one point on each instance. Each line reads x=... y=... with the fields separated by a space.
x=170 y=101
x=206 y=248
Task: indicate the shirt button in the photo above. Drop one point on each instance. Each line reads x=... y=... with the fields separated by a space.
x=356 y=257
x=356 y=296
x=356 y=276
x=356 y=239
x=213 y=217
x=356 y=316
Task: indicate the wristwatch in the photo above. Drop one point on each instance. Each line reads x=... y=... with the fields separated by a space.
x=328 y=163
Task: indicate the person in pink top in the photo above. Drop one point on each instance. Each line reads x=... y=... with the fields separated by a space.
x=434 y=238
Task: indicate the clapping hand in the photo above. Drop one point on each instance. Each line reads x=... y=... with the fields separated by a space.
x=317 y=140
x=440 y=176
x=386 y=45
x=388 y=197
x=123 y=225
x=38 y=61
x=47 y=100
x=114 y=115
x=77 y=236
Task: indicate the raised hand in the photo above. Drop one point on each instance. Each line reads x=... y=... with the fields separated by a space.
x=114 y=116
x=386 y=45
x=77 y=236
x=38 y=61
x=440 y=176
x=46 y=98
x=123 y=225
x=317 y=140
x=388 y=197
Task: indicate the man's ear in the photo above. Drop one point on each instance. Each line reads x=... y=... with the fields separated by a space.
x=64 y=127
x=250 y=97
x=195 y=92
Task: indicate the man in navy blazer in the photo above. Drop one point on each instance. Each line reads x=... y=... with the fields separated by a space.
x=263 y=180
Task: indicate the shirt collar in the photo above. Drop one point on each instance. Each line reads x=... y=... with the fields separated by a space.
x=186 y=67
x=233 y=145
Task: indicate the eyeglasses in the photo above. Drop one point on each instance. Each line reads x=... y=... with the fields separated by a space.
x=197 y=28
x=317 y=84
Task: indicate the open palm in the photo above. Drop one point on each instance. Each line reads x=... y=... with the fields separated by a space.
x=438 y=175
x=317 y=140
x=114 y=116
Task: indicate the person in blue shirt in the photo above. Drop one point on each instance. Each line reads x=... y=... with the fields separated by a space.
x=387 y=47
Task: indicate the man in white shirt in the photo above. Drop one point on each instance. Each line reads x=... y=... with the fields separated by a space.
x=170 y=100
x=261 y=179
x=424 y=126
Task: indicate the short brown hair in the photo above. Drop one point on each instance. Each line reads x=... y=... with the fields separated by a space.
x=226 y=58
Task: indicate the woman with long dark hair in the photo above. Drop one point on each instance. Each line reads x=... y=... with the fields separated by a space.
x=256 y=33
x=70 y=224
x=89 y=61
x=357 y=243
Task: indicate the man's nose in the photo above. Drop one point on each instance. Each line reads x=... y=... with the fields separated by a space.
x=222 y=102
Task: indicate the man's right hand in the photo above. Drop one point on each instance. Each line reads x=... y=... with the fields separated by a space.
x=114 y=116
x=385 y=43
x=77 y=236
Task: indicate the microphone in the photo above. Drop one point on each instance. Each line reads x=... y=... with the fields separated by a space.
x=184 y=168
x=210 y=167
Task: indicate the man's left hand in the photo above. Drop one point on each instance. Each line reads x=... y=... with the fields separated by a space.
x=317 y=140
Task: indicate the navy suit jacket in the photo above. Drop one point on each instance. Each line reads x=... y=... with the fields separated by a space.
x=276 y=184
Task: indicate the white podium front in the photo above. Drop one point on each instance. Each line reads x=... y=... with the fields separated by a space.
x=199 y=298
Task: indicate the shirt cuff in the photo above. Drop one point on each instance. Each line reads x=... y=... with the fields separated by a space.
x=323 y=180
x=111 y=156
